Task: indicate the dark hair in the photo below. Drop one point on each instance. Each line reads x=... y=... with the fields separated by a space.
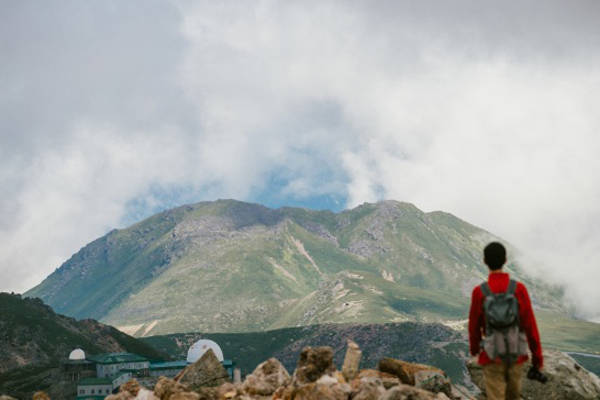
x=494 y=255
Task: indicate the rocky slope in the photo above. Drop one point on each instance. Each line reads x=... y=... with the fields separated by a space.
x=34 y=339
x=433 y=344
x=229 y=266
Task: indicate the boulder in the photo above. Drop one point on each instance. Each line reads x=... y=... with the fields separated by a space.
x=145 y=394
x=315 y=391
x=407 y=392
x=367 y=389
x=206 y=372
x=405 y=371
x=266 y=378
x=313 y=364
x=169 y=389
x=433 y=382
x=388 y=380
x=132 y=386
x=566 y=379
x=120 y=396
x=40 y=396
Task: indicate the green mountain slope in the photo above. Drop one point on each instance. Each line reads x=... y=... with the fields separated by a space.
x=34 y=339
x=432 y=344
x=229 y=266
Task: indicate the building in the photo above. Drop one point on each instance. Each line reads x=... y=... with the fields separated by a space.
x=99 y=388
x=77 y=367
x=102 y=374
x=111 y=364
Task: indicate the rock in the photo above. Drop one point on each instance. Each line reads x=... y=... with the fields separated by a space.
x=132 y=386
x=120 y=396
x=434 y=382
x=407 y=392
x=266 y=378
x=5 y=397
x=314 y=391
x=367 y=389
x=206 y=372
x=230 y=391
x=405 y=371
x=40 y=396
x=388 y=380
x=145 y=394
x=351 y=361
x=166 y=388
x=314 y=363
x=566 y=379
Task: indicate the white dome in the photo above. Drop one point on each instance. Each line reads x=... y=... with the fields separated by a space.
x=200 y=347
x=77 y=354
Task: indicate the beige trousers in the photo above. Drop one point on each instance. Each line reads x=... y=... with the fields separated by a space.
x=503 y=382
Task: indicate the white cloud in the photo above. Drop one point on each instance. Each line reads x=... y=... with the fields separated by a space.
x=480 y=109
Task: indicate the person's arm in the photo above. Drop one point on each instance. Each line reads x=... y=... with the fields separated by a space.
x=475 y=322
x=529 y=326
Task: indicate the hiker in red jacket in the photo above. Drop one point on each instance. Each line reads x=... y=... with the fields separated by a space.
x=502 y=371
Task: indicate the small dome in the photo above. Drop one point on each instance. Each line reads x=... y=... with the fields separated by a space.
x=77 y=354
x=200 y=347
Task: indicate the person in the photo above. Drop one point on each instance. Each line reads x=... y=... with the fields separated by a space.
x=502 y=377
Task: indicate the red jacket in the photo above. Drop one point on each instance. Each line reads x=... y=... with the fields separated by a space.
x=499 y=283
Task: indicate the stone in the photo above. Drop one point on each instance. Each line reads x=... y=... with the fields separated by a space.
x=166 y=388
x=405 y=371
x=314 y=391
x=433 y=382
x=407 y=392
x=367 y=389
x=314 y=363
x=40 y=396
x=145 y=394
x=206 y=372
x=132 y=386
x=5 y=397
x=351 y=361
x=266 y=378
x=388 y=380
x=566 y=379
x=120 y=396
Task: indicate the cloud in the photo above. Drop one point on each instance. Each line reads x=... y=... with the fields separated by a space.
x=109 y=110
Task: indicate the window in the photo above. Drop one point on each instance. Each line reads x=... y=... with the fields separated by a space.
x=92 y=391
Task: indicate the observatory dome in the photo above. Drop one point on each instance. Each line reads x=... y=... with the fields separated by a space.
x=200 y=347
x=77 y=355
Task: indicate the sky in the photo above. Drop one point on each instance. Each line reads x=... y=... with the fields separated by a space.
x=111 y=111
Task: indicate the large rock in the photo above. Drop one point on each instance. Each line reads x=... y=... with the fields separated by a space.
x=404 y=370
x=407 y=392
x=206 y=372
x=566 y=380
x=313 y=364
x=169 y=389
x=266 y=378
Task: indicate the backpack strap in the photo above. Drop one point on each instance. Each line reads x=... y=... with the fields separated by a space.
x=485 y=289
x=512 y=287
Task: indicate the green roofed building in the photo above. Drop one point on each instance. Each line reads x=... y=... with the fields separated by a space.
x=98 y=388
x=111 y=364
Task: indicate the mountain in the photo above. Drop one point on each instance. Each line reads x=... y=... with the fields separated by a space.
x=230 y=266
x=432 y=344
x=34 y=339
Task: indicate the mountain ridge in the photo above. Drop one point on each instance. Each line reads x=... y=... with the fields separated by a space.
x=231 y=266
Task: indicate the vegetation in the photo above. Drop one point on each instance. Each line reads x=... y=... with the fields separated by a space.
x=229 y=266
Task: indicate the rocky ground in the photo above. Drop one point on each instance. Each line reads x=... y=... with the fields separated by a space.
x=316 y=377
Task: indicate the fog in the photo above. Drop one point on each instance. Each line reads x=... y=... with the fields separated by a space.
x=110 y=111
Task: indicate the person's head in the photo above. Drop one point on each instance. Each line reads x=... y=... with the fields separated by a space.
x=494 y=256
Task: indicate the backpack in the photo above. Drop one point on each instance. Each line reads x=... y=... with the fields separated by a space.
x=503 y=338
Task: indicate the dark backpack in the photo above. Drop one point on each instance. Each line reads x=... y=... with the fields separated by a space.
x=503 y=337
